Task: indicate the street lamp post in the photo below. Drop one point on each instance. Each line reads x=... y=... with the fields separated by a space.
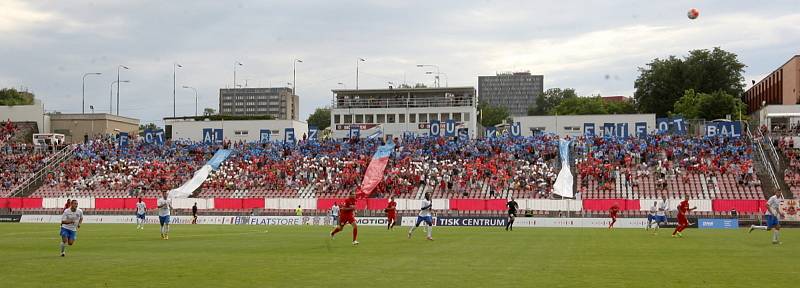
x=111 y=95
x=195 y=98
x=83 y=90
x=126 y=68
x=174 y=68
x=236 y=63
x=437 y=77
x=359 y=60
x=437 y=71
x=294 y=75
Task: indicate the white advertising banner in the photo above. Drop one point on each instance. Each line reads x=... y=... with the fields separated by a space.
x=536 y=222
x=235 y=220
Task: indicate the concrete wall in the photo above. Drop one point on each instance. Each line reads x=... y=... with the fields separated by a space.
x=397 y=129
x=188 y=129
x=76 y=126
x=559 y=124
x=27 y=113
x=791 y=81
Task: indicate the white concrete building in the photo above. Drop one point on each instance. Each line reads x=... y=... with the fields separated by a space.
x=27 y=113
x=577 y=125
x=396 y=112
x=187 y=128
x=778 y=116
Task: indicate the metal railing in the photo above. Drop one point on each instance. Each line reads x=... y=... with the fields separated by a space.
x=455 y=101
x=767 y=162
x=38 y=177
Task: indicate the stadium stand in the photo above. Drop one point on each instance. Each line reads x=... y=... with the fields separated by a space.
x=464 y=177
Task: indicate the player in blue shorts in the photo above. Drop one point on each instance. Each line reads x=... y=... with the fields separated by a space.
x=70 y=223
x=141 y=210
x=772 y=216
x=425 y=215
x=164 y=206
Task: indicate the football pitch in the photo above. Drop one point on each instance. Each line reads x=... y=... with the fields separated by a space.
x=117 y=255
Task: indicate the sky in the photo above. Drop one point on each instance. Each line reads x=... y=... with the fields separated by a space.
x=594 y=47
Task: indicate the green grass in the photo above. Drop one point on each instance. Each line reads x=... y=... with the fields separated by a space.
x=111 y=255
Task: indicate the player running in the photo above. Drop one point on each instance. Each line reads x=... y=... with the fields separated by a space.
x=141 y=210
x=164 y=206
x=683 y=208
x=661 y=214
x=424 y=216
x=391 y=213
x=347 y=216
x=512 y=213
x=773 y=215
x=613 y=214
x=71 y=222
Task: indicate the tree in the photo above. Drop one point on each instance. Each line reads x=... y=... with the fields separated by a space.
x=12 y=97
x=145 y=127
x=547 y=101
x=581 y=106
x=620 y=107
x=492 y=115
x=717 y=105
x=320 y=118
x=209 y=111
x=663 y=81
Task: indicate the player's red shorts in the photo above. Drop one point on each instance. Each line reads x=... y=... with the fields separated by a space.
x=346 y=219
x=682 y=220
x=391 y=216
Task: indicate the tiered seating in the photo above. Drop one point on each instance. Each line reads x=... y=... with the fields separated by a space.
x=656 y=166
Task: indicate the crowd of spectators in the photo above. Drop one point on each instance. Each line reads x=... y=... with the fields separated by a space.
x=18 y=161
x=661 y=156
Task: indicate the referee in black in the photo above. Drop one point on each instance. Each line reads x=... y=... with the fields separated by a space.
x=194 y=213
x=512 y=213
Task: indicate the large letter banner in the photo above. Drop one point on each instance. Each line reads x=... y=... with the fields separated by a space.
x=641 y=129
x=312 y=133
x=463 y=134
x=264 y=135
x=208 y=135
x=435 y=129
x=449 y=128
x=662 y=125
x=516 y=129
x=218 y=136
x=355 y=131
x=622 y=130
x=679 y=125
x=123 y=140
x=154 y=136
x=491 y=132
x=588 y=129
x=608 y=129
x=288 y=135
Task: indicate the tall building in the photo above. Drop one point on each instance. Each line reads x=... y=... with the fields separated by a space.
x=781 y=87
x=402 y=111
x=279 y=102
x=775 y=100
x=515 y=91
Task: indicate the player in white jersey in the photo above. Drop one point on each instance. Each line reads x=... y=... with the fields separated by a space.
x=661 y=214
x=70 y=223
x=335 y=214
x=141 y=210
x=164 y=206
x=424 y=216
x=651 y=216
x=772 y=215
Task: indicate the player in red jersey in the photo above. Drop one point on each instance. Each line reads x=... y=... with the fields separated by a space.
x=391 y=213
x=347 y=215
x=683 y=208
x=613 y=213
